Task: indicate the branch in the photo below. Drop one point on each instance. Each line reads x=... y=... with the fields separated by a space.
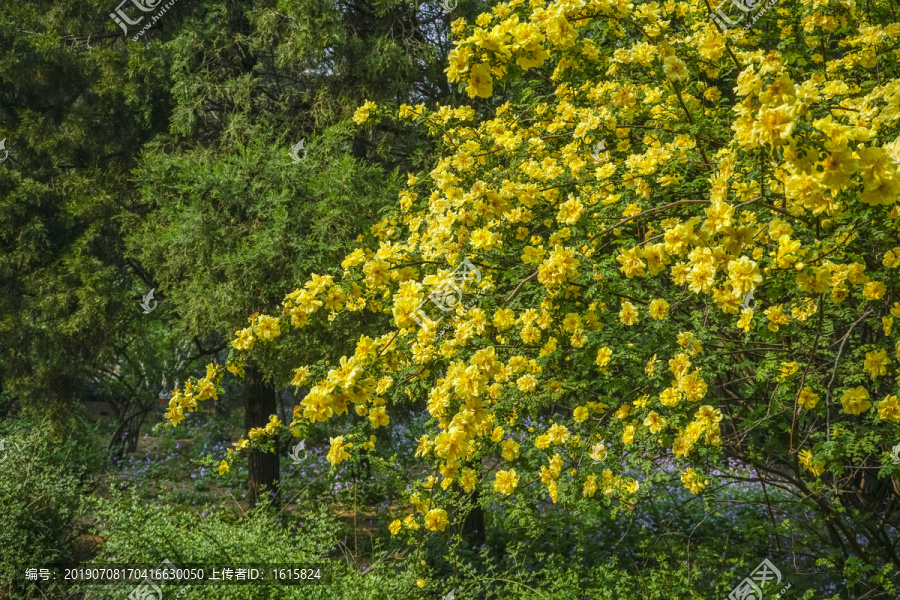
x=834 y=372
x=648 y=212
x=515 y=292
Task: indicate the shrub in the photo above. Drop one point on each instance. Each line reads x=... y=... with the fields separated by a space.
x=136 y=532
x=41 y=482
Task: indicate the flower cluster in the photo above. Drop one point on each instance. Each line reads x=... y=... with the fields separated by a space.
x=729 y=172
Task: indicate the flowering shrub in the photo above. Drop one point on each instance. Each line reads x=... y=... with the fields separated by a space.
x=686 y=246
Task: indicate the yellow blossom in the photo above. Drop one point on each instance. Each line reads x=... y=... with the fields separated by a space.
x=436 y=519
x=505 y=482
x=876 y=363
x=889 y=409
x=807 y=398
x=856 y=400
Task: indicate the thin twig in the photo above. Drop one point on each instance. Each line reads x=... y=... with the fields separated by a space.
x=834 y=372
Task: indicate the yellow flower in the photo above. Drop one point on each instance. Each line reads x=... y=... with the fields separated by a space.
x=558 y=434
x=378 y=417
x=526 y=383
x=806 y=459
x=650 y=367
x=892 y=258
x=707 y=415
x=659 y=309
x=680 y=365
x=421 y=582
x=244 y=340
x=510 y=450
x=744 y=275
x=338 y=452
x=223 y=468
x=581 y=414
x=598 y=451
x=787 y=369
x=362 y=113
x=856 y=400
x=629 y=314
x=436 y=519
x=889 y=409
x=267 y=328
x=480 y=82
x=628 y=436
x=654 y=422
x=394 y=527
x=691 y=480
x=553 y=490
x=506 y=481
x=468 y=479
x=693 y=386
x=808 y=399
x=630 y=486
x=410 y=521
x=670 y=397
x=876 y=363
x=556 y=465
x=874 y=290
x=675 y=69
x=603 y=356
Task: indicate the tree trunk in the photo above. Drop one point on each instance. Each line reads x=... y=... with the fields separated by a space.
x=124 y=439
x=259 y=403
x=472 y=529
